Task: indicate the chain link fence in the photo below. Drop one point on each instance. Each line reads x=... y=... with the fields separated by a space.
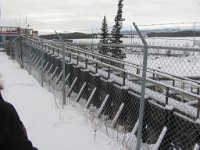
x=109 y=89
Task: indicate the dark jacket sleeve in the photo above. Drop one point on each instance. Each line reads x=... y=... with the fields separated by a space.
x=15 y=123
x=17 y=136
x=12 y=131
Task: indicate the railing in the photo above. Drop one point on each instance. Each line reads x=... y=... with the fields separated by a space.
x=95 y=57
x=9 y=30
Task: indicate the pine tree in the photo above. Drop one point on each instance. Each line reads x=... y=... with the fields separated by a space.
x=104 y=37
x=115 y=33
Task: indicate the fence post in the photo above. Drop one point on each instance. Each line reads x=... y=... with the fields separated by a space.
x=77 y=58
x=124 y=78
x=108 y=72
x=42 y=63
x=70 y=57
x=30 y=61
x=198 y=104
x=142 y=98
x=86 y=63
x=63 y=77
x=21 y=60
x=167 y=96
x=96 y=66
x=63 y=66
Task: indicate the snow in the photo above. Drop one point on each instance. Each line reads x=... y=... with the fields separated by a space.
x=157 y=145
x=196 y=147
x=162 y=41
x=178 y=66
x=186 y=64
x=50 y=127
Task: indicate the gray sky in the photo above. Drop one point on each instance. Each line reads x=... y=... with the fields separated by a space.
x=83 y=15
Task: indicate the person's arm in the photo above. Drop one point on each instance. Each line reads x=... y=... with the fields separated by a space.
x=17 y=125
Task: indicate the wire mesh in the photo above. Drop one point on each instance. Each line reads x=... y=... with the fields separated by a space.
x=109 y=89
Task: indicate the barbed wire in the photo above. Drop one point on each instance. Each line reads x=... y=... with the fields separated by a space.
x=172 y=38
x=124 y=28
x=170 y=23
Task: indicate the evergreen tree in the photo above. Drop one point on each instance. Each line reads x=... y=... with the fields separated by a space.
x=104 y=37
x=115 y=33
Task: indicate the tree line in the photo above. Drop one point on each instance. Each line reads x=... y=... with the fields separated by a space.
x=74 y=35
x=188 y=33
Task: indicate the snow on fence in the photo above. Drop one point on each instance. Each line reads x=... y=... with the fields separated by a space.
x=110 y=89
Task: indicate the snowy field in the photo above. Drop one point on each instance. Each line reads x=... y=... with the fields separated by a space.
x=49 y=127
x=159 y=41
x=180 y=63
x=178 y=66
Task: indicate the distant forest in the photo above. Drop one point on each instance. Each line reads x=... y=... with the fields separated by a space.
x=173 y=34
x=79 y=35
x=75 y=35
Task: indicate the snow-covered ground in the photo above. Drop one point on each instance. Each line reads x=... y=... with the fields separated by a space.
x=159 y=41
x=49 y=127
x=178 y=66
x=180 y=63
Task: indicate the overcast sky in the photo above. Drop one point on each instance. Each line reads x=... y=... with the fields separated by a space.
x=82 y=15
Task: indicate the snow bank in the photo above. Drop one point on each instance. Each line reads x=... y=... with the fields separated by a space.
x=49 y=127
